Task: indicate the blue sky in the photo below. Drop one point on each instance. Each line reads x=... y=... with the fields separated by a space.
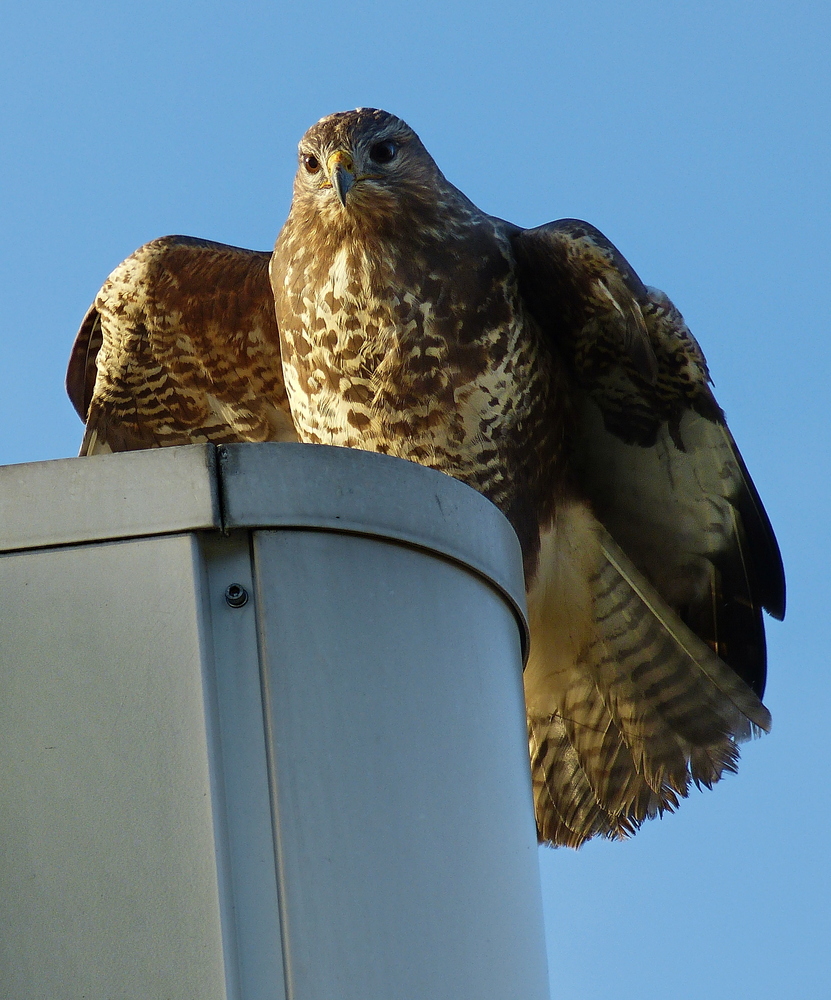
x=696 y=136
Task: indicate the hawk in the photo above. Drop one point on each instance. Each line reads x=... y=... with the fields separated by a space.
x=180 y=346
x=534 y=365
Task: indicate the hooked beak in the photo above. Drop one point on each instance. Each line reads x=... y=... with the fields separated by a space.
x=341 y=169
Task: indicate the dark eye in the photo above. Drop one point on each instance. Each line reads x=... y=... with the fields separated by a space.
x=383 y=152
x=311 y=163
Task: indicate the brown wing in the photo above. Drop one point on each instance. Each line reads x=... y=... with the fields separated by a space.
x=81 y=371
x=650 y=648
x=653 y=452
x=180 y=346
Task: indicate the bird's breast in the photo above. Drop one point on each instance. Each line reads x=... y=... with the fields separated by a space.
x=406 y=358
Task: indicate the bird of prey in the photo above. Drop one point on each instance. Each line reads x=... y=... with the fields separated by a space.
x=180 y=346
x=534 y=365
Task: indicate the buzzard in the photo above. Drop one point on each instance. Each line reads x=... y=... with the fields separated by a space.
x=180 y=346
x=534 y=365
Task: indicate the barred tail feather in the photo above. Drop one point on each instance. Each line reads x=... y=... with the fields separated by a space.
x=631 y=708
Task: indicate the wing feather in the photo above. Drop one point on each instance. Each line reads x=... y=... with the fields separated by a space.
x=82 y=371
x=180 y=346
x=653 y=455
x=648 y=652
x=622 y=725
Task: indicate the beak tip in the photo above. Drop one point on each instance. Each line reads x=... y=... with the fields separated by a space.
x=341 y=169
x=342 y=181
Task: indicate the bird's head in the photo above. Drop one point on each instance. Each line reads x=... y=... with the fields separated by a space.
x=363 y=161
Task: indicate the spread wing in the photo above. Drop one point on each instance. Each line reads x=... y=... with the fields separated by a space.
x=180 y=346
x=680 y=565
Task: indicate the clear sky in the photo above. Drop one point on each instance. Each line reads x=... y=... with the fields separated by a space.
x=695 y=135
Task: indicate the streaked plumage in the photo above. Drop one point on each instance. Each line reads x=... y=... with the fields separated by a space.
x=535 y=366
x=180 y=346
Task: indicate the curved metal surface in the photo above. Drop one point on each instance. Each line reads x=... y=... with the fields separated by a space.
x=320 y=791
x=169 y=490
x=292 y=485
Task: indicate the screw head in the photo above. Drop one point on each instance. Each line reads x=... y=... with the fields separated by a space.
x=236 y=596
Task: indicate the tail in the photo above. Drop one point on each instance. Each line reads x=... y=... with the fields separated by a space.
x=627 y=707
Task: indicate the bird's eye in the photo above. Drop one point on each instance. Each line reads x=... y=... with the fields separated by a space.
x=383 y=152
x=311 y=163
